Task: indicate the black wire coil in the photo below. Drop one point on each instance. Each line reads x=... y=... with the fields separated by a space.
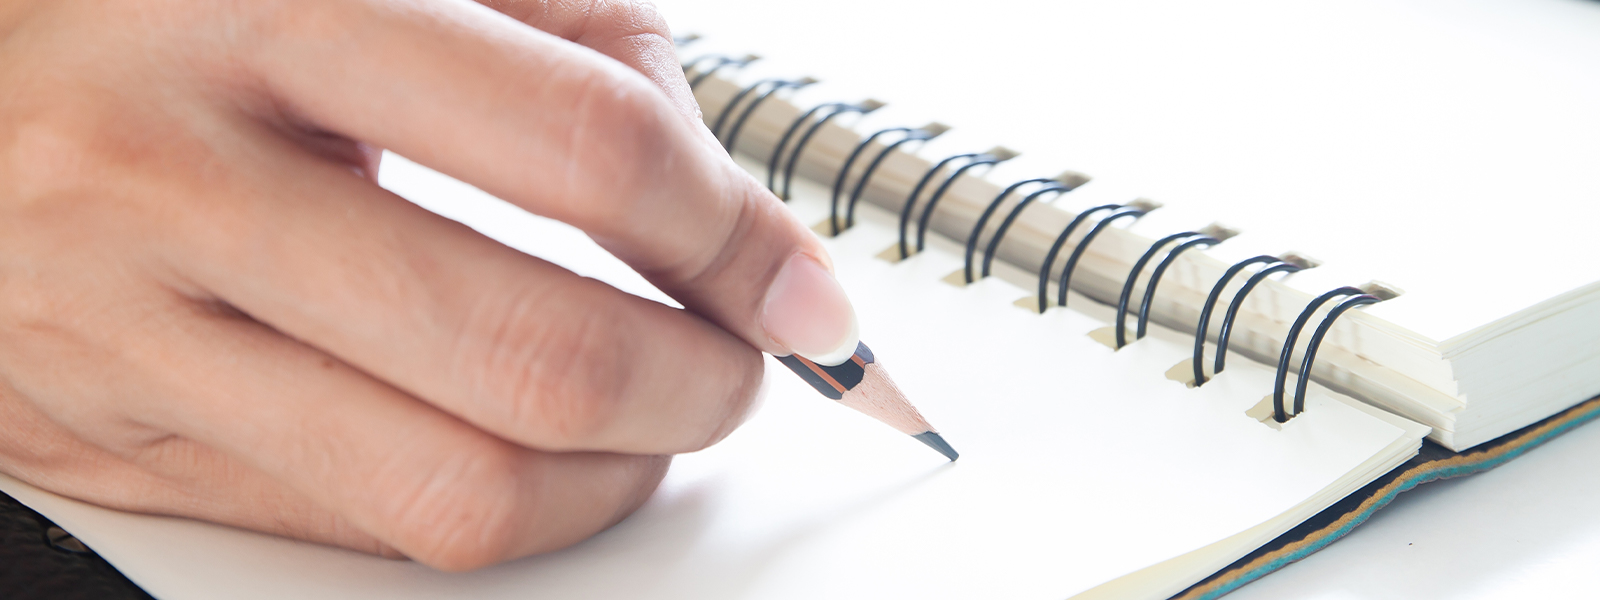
x=1119 y=211
x=974 y=160
x=1193 y=239
x=1357 y=298
x=1203 y=327
x=719 y=61
x=983 y=220
x=834 y=109
x=771 y=85
x=912 y=134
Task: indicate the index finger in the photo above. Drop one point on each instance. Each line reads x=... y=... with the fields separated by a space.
x=567 y=133
x=632 y=33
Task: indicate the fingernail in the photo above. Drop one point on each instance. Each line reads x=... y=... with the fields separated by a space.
x=807 y=311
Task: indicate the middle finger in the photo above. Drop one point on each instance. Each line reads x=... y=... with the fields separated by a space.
x=508 y=342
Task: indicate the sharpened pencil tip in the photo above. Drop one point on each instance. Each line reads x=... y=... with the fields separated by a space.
x=935 y=441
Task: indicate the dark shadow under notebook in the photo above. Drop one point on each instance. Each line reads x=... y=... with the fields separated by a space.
x=39 y=560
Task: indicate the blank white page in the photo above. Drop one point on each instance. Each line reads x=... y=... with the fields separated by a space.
x=1445 y=147
x=1078 y=465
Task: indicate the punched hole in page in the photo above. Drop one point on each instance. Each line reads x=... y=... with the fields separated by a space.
x=1262 y=412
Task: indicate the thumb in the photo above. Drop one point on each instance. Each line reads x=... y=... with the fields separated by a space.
x=739 y=258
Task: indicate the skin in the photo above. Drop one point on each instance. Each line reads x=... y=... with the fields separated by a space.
x=209 y=309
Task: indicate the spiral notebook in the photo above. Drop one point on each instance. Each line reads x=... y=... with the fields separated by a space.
x=1091 y=467
x=1081 y=468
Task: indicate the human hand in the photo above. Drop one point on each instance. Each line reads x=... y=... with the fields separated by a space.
x=209 y=309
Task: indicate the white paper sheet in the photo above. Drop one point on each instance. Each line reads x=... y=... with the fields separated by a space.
x=1078 y=465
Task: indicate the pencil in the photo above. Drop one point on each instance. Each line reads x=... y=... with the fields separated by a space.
x=862 y=384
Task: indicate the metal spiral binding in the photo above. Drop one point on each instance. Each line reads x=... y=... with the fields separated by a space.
x=912 y=134
x=1194 y=239
x=773 y=86
x=1054 y=185
x=974 y=160
x=1119 y=211
x=706 y=66
x=718 y=62
x=834 y=109
x=1204 y=325
x=1357 y=298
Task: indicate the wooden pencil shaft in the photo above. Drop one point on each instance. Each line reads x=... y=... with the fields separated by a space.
x=878 y=397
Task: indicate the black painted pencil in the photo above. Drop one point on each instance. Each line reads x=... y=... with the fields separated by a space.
x=862 y=384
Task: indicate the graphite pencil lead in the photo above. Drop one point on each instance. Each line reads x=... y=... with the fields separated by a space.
x=936 y=441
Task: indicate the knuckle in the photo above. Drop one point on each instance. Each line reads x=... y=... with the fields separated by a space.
x=96 y=162
x=629 y=482
x=311 y=19
x=741 y=398
x=616 y=148
x=28 y=308
x=46 y=157
x=554 y=381
x=462 y=514
x=629 y=18
x=729 y=235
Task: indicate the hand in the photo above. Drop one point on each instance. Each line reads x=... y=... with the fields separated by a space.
x=209 y=309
